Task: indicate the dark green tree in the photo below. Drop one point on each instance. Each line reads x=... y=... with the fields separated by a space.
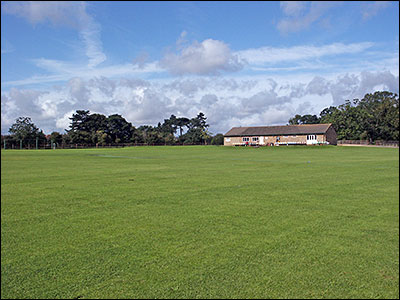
x=217 y=139
x=26 y=131
x=137 y=136
x=78 y=121
x=197 y=132
x=380 y=115
x=305 y=119
x=374 y=117
x=329 y=114
x=151 y=135
x=169 y=126
x=119 y=129
x=295 y=120
x=96 y=122
x=182 y=122
x=79 y=132
x=56 y=137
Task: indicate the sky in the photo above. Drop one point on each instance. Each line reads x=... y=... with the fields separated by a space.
x=250 y=63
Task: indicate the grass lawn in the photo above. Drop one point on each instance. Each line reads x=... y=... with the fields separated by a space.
x=200 y=222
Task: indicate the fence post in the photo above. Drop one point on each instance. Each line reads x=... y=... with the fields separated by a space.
x=4 y=144
x=20 y=144
x=37 y=141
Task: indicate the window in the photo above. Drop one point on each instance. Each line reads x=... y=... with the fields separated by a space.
x=255 y=139
x=311 y=137
x=227 y=139
x=246 y=139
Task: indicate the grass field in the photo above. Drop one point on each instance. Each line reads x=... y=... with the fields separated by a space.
x=200 y=222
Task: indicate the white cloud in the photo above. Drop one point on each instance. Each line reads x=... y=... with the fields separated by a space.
x=77 y=89
x=208 y=100
x=141 y=59
x=56 y=12
x=65 y=71
x=64 y=122
x=271 y=55
x=263 y=100
x=63 y=13
x=375 y=80
x=293 y=8
x=188 y=87
x=352 y=86
x=209 y=57
x=318 y=86
x=90 y=34
x=8 y=112
x=150 y=108
x=372 y=8
x=300 y=16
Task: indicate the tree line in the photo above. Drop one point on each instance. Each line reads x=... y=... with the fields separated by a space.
x=374 y=117
x=99 y=130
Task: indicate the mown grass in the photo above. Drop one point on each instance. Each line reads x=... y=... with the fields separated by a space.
x=200 y=222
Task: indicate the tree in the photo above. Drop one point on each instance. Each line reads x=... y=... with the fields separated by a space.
x=349 y=121
x=305 y=119
x=181 y=122
x=374 y=117
x=96 y=122
x=199 y=122
x=24 y=129
x=97 y=128
x=381 y=115
x=197 y=133
x=151 y=135
x=295 y=120
x=100 y=137
x=119 y=129
x=79 y=130
x=137 y=136
x=169 y=139
x=218 y=139
x=169 y=126
x=328 y=114
x=78 y=121
x=56 y=137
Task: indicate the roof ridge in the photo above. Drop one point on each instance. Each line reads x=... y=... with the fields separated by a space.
x=282 y=125
x=280 y=129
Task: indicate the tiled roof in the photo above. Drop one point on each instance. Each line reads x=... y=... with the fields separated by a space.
x=279 y=130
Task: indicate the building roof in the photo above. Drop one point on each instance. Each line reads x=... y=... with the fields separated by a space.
x=279 y=130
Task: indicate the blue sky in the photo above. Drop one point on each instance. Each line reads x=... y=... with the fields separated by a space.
x=241 y=63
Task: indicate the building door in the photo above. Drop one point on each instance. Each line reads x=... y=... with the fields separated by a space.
x=261 y=140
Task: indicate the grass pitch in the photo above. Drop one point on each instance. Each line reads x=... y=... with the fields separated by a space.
x=200 y=222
